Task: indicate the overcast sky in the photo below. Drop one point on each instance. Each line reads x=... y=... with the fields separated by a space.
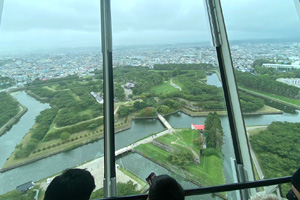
x=34 y=24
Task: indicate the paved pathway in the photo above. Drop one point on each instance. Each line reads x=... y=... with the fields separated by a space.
x=174 y=85
x=96 y=167
x=254 y=159
x=164 y=121
x=12 y=118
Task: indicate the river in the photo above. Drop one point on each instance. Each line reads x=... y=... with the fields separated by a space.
x=140 y=129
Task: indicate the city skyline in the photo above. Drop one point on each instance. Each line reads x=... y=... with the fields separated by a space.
x=29 y=25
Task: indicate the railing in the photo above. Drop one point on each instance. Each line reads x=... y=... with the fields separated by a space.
x=218 y=188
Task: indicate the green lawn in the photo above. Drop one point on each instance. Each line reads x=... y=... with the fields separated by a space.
x=209 y=172
x=183 y=138
x=86 y=112
x=175 y=81
x=288 y=100
x=164 y=88
x=154 y=152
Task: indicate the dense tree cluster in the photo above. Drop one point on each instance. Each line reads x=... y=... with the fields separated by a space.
x=5 y=82
x=148 y=112
x=124 y=189
x=250 y=103
x=119 y=92
x=149 y=107
x=213 y=131
x=55 y=134
x=44 y=120
x=17 y=195
x=181 y=158
x=73 y=99
x=23 y=152
x=8 y=108
x=277 y=149
x=195 y=90
x=183 y=66
x=147 y=81
x=266 y=84
x=280 y=106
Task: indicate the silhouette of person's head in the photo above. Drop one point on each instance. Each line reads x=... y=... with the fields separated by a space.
x=72 y=184
x=165 y=187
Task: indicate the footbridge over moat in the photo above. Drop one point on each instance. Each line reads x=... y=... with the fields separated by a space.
x=124 y=150
x=165 y=122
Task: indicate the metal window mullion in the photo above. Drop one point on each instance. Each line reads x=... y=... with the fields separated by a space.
x=109 y=182
x=235 y=117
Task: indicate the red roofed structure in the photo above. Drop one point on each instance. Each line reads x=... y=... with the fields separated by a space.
x=198 y=127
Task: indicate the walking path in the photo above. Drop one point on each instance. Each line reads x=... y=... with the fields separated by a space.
x=269 y=97
x=165 y=122
x=12 y=118
x=174 y=85
x=254 y=159
x=268 y=189
x=96 y=167
x=148 y=139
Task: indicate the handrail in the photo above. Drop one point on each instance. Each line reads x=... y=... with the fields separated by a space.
x=218 y=188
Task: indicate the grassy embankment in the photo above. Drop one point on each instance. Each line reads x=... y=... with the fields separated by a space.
x=253 y=131
x=14 y=120
x=276 y=149
x=264 y=110
x=210 y=170
x=292 y=102
x=45 y=149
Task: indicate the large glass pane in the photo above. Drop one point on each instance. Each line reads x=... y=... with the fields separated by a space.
x=51 y=89
x=166 y=65
x=51 y=63
x=163 y=63
x=265 y=53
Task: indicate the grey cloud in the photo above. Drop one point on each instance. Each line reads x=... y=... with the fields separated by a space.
x=48 y=23
x=22 y=15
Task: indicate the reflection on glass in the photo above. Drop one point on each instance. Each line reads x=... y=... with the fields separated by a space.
x=267 y=73
x=163 y=65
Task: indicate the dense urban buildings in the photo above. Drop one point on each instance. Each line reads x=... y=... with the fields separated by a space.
x=83 y=61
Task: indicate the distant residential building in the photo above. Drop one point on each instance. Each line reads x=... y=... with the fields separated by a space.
x=98 y=99
x=290 y=81
x=281 y=66
x=129 y=85
x=24 y=187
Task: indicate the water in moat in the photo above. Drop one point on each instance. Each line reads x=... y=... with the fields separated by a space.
x=140 y=129
x=145 y=167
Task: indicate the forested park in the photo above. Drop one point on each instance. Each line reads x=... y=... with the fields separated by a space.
x=9 y=107
x=277 y=149
x=197 y=155
x=5 y=82
x=75 y=117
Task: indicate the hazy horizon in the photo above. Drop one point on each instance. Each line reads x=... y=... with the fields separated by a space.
x=33 y=25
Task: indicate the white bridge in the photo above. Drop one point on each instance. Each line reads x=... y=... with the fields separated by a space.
x=148 y=139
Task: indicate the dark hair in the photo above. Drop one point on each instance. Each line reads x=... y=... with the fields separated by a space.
x=165 y=187
x=296 y=180
x=72 y=184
